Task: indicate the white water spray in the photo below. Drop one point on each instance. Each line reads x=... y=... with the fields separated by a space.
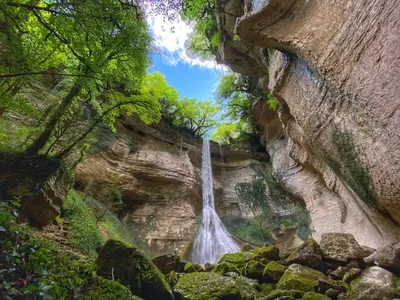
x=212 y=240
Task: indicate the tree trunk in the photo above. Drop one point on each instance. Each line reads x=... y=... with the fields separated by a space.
x=51 y=124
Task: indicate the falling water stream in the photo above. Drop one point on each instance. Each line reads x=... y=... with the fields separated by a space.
x=212 y=240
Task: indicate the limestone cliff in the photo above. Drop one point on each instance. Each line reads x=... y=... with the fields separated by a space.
x=158 y=172
x=334 y=67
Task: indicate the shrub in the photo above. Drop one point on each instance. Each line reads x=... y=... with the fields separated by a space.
x=32 y=268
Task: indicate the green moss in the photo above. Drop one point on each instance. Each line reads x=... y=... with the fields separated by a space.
x=224 y=268
x=298 y=277
x=115 y=229
x=211 y=286
x=133 y=269
x=274 y=271
x=231 y=262
x=267 y=252
x=191 y=268
x=104 y=289
x=267 y=288
x=275 y=294
x=254 y=269
x=315 y=296
x=172 y=278
x=82 y=228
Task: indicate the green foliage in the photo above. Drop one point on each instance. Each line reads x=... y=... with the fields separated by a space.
x=226 y=133
x=32 y=268
x=236 y=37
x=83 y=229
x=115 y=229
x=273 y=103
x=101 y=288
x=198 y=117
x=102 y=68
x=206 y=37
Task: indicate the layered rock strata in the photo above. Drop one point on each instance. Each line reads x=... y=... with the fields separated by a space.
x=158 y=172
x=335 y=71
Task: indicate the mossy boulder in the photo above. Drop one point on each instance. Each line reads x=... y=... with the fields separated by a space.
x=267 y=288
x=374 y=283
x=191 y=268
x=315 y=296
x=211 y=286
x=132 y=269
x=104 y=289
x=342 y=247
x=172 y=278
x=254 y=270
x=246 y=247
x=308 y=254
x=298 y=277
x=231 y=262
x=276 y=294
x=274 y=271
x=265 y=254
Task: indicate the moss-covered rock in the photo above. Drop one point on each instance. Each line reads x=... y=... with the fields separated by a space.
x=211 y=286
x=374 y=283
x=254 y=270
x=298 y=277
x=267 y=288
x=172 y=278
x=276 y=294
x=246 y=247
x=104 y=289
x=315 y=296
x=191 y=268
x=265 y=254
x=274 y=271
x=231 y=262
x=307 y=254
x=133 y=269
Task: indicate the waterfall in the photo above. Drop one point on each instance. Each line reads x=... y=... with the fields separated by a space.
x=212 y=240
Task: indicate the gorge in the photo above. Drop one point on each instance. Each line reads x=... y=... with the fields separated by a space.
x=116 y=185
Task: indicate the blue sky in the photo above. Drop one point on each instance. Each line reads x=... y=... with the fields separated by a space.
x=191 y=77
x=190 y=81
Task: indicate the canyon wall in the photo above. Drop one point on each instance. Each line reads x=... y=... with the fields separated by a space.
x=158 y=172
x=335 y=69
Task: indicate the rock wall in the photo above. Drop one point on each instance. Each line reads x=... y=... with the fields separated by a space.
x=335 y=70
x=158 y=172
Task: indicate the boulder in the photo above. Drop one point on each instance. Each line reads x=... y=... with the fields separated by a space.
x=191 y=268
x=298 y=277
x=169 y=262
x=308 y=254
x=341 y=247
x=386 y=257
x=351 y=274
x=205 y=286
x=274 y=271
x=315 y=296
x=254 y=270
x=265 y=253
x=101 y=288
x=231 y=262
x=278 y=294
x=339 y=272
x=130 y=267
x=374 y=283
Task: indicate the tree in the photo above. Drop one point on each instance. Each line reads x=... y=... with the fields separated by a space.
x=226 y=133
x=197 y=116
x=102 y=46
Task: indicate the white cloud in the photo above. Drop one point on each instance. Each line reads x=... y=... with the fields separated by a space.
x=170 y=38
